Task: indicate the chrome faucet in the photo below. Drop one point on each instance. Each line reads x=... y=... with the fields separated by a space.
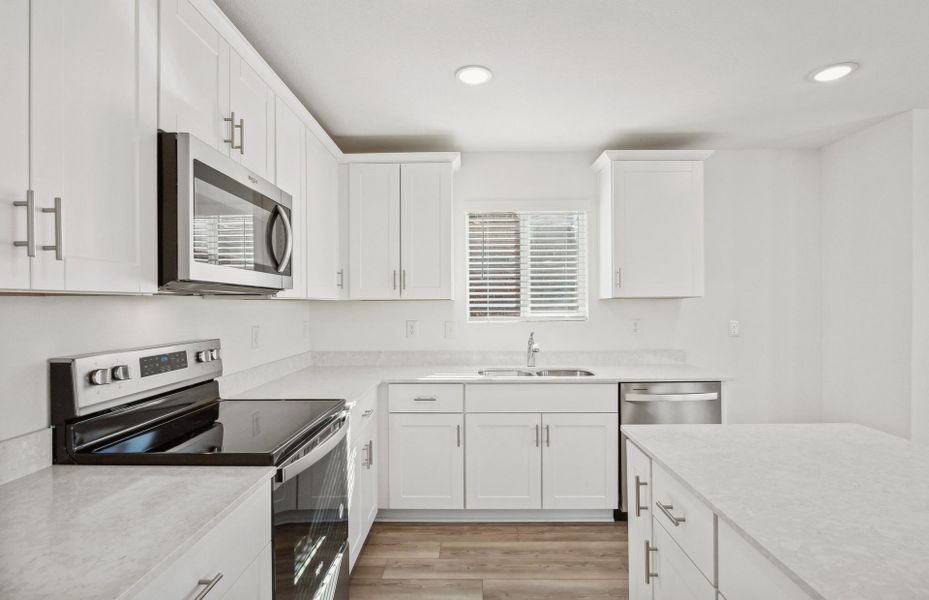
x=532 y=350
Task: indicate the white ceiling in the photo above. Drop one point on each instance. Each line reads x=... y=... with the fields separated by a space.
x=591 y=74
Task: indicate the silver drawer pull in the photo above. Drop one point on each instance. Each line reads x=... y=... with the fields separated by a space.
x=649 y=574
x=666 y=509
x=210 y=584
x=638 y=502
x=368 y=412
x=57 y=248
x=29 y=204
x=425 y=399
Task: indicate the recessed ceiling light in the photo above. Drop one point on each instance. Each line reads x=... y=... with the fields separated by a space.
x=833 y=72
x=474 y=74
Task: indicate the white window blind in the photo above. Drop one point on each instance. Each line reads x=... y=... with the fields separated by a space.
x=526 y=266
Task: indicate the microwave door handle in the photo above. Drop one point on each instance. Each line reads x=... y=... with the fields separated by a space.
x=300 y=465
x=289 y=245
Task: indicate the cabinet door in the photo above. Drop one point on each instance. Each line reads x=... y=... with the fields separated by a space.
x=193 y=75
x=256 y=582
x=638 y=483
x=658 y=229
x=580 y=460
x=677 y=577
x=426 y=231
x=369 y=479
x=252 y=101
x=324 y=223
x=14 y=152
x=290 y=168
x=94 y=143
x=504 y=460
x=426 y=461
x=374 y=237
x=357 y=455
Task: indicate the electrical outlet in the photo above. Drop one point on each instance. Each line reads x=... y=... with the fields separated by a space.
x=451 y=330
x=735 y=328
x=412 y=328
x=255 y=339
x=635 y=326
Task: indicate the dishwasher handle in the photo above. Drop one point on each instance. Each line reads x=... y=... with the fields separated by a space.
x=700 y=397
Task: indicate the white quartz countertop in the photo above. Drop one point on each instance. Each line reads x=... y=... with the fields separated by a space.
x=843 y=510
x=102 y=532
x=351 y=383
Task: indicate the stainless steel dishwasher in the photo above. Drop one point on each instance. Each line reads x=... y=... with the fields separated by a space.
x=665 y=403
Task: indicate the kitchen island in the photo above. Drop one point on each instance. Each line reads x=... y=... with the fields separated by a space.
x=829 y=511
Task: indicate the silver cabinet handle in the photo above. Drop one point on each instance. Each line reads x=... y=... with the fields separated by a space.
x=209 y=583
x=649 y=574
x=424 y=399
x=241 y=136
x=403 y=279
x=638 y=502
x=395 y=279
x=458 y=431
x=289 y=245
x=548 y=436
x=232 y=128
x=370 y=453
x=56 y=210
x=29 y=244
x=368 y=412
x=666 y=509
x=341 y=275
x=619 y=278
x=536 y=436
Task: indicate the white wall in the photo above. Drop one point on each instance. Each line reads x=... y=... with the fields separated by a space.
x=919 y=426
x=762 y=267
x=868 y=269
x=34 y=329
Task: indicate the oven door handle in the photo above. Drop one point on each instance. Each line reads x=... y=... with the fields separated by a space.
x=288 y=472
x=289 y=244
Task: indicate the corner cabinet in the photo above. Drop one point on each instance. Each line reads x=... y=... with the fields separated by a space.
x=651 y=223
x=400 y=226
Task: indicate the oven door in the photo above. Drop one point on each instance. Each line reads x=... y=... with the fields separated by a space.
x=310 y=535
x=234 y=230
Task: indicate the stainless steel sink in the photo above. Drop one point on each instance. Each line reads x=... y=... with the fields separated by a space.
x=504 y=372
x=563 y=373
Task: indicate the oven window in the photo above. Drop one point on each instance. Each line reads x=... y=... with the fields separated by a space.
x=311 y=531
x=235 y=226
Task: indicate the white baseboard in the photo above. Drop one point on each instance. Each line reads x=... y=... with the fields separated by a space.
x=494 y=516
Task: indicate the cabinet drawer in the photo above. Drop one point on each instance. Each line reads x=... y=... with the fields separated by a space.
x=688 y=520
x=543 y=397
x=677 y=578
x=745 y=574
x=228 y=549
x=426 y=397
x=362 y=413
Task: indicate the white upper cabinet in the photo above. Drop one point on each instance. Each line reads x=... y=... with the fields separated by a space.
x=651 y=223
x=426 y=231
x=14 y=152
x=208 y=90
x=374 y=213
x=291 y=177
x=92 y=153
x=400 y=228
x=251 y=105
x=580 y=460
x=503 y=460
x=326 y=277
x=194 y=75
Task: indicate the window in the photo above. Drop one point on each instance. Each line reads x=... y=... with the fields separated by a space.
x=527 y=266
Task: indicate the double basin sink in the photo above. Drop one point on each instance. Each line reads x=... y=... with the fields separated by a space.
x=529 y=372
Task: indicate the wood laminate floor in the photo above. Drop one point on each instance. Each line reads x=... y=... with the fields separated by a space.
x=493 y=561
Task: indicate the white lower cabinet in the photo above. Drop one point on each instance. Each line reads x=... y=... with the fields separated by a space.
x=678 y=578
x=235 y=554
x=426 y=464
x=503 y=460
x=363 y=478
x=580 y=460
x=639 y=478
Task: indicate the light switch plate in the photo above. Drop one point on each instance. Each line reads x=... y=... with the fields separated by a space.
x=255 y=337
x=451 y=330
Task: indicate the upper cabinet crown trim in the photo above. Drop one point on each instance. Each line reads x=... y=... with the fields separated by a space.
x=609 y=156
x=406 y=157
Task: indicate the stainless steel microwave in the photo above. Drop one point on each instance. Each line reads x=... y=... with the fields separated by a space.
x=221 y=228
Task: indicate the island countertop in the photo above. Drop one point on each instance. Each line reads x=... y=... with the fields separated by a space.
x=841 y=509
x=100 y=532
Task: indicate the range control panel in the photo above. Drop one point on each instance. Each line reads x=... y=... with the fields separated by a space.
x=162 y=363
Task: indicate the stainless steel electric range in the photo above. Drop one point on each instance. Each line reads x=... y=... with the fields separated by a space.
x=160 y=405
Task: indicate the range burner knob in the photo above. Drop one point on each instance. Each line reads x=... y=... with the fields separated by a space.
x=214 y=353
x=205 y=356
x=121 y=372
x=100 y=377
